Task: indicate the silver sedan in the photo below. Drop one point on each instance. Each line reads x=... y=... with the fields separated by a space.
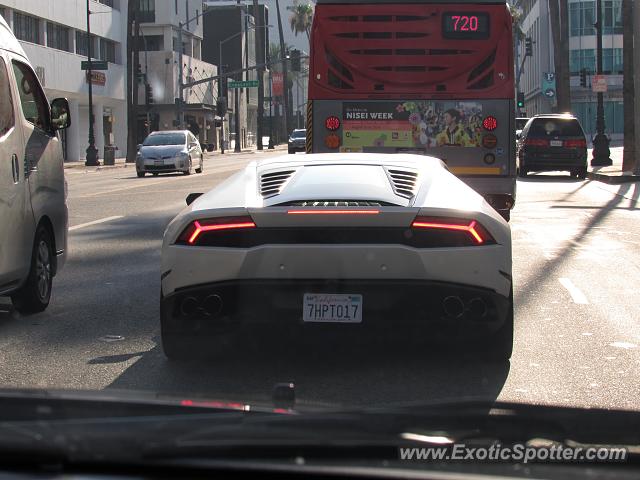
x=170 y=151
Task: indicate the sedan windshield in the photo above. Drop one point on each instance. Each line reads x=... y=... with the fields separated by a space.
x=164 y=139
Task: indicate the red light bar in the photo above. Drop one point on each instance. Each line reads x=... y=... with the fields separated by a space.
x=333 y=212
x=199 y=228
x=575 y=143
x=473 y=228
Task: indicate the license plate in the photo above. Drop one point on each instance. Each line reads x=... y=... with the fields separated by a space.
x=556 y=143
x=329 y=308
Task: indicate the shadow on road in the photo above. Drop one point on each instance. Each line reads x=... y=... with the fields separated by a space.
x=336 y=376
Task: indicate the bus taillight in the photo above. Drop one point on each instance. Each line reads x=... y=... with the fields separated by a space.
x=489 y=141
x=490 y=123
x=332 y=141
x=332 y=123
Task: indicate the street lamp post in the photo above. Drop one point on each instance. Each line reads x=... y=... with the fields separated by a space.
x=270 y=147
x=601 y=150
x=92 y=151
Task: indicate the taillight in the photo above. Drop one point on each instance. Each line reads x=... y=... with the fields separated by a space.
x=332 y=123
x=575 y=143
x=473 y=228
x=490 y=123
x=332 y=141
x=194 y=231
x=536 y=142
x=489 y=141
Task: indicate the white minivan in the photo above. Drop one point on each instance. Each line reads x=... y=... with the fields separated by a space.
x=33 y=208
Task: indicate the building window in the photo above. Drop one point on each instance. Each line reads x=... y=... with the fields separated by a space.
x=26 y=27
x=582 y=16
x=110 y=3
x=58 y=37
x=579 y=59
x=82 y=47
x=612 y=17
x=152 y=43
x=612 y=61
x=197 y=17
x=176 y=2
x=107 y=50
x=147 y=11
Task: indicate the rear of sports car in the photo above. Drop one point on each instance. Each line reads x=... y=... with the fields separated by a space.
x=333 y=245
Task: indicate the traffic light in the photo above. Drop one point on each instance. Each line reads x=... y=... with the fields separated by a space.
x=295 y=60
x=583 y=77
x=520 y=99
x=221 y=106
x=528 y=47
x=148 y=94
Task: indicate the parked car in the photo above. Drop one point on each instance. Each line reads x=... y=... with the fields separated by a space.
x=33 y=208
x=170 y=151
x=298 y=140
x=552 y=142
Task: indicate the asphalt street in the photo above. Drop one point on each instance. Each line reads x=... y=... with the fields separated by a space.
x=576 y=277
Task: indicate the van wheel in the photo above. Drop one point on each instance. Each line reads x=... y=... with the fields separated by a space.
x=34 y=296
x=140 y=174
x=201 y=167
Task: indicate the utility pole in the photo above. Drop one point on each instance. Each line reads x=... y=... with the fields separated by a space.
x=260 y=57
x=271 y=147
x=236 y=91
x=180 y=109
x=601 y=150
x=92 y=152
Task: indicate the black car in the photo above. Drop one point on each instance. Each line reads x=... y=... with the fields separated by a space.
x=552 y=142
x=298 y=140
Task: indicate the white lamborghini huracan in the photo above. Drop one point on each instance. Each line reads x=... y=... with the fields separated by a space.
x=338 y=242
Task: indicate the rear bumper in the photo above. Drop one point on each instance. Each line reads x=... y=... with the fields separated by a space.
x=388 y=307
x=297 y=148
x=532 y=162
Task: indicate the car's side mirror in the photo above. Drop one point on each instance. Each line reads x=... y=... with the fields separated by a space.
x=60 y=115
x=139 y=146
x=518 y=135
x=192 y=197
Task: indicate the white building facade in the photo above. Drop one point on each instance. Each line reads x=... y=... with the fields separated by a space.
x=54 y=36
x=159 y=61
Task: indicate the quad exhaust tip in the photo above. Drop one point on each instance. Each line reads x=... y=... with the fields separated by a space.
x=189 y=306
x=453 y=306
x=213 y=304
x=478 y=308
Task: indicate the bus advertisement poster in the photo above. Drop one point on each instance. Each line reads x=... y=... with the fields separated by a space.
x=410 y=124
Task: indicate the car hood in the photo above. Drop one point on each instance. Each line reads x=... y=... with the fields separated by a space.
x=161 y=150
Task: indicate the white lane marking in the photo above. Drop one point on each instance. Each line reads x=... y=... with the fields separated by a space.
x=95 y=222
x=576 y=295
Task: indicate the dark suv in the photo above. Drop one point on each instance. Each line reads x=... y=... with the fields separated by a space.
x=297 y=140
x=552 y=142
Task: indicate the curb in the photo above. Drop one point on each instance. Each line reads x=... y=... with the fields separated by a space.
x=100 y=167
x=613 y=179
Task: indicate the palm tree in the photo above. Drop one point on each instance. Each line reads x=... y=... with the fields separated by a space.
x=301 y=18
x=628 y=91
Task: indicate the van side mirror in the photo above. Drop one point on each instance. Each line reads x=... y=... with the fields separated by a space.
x=60 y=115
x=139 y=146
x=192 y=197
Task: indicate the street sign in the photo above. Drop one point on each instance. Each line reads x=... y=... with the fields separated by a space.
x=97 y=78
x=95 y=65
x=599 y=83
x=243 y=84
x=549 y=85
x=277 y=83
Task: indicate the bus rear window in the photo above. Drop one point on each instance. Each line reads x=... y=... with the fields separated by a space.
x=544 y=127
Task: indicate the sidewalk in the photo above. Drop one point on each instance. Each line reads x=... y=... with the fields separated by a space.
x=121 y=162
x=612 y=174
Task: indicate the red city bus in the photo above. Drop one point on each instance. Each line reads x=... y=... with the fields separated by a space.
x=418 y=76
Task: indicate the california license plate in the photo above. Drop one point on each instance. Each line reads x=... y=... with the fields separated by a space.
x=556 y=143
x=332 y=308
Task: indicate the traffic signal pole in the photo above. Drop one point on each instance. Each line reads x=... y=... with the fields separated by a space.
x=601 y=150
